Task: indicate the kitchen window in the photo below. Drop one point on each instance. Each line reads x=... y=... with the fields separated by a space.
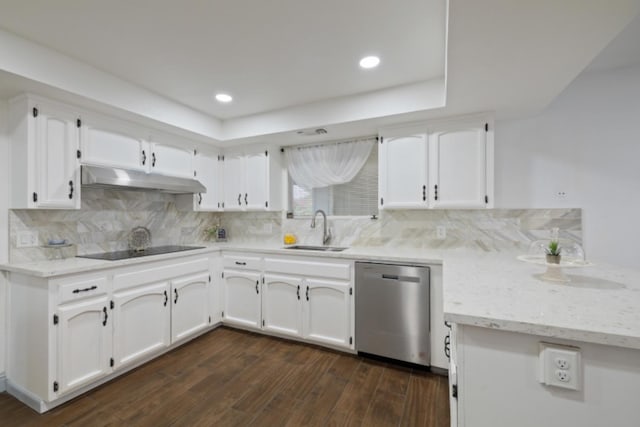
x=357 y=197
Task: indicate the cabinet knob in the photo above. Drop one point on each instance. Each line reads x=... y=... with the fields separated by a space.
x=246 y=195
x=70 y=189
x=199 y=198
x=307 y=292
x=153 y=160
x=144 y=157
x=240 y=199
x=257 y=283
x=106 y=316
x=175 y=301
x=166 y=298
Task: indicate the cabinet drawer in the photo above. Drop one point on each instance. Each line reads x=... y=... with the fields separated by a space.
x=82 y=288
x=242 y=262
x=303 y=267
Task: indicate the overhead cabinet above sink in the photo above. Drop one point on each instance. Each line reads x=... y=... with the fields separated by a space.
x=447 y=164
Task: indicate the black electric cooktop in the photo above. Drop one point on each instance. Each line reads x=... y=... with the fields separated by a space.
x=157 y=250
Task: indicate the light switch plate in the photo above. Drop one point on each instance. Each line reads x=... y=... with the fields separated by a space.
x=560 y=366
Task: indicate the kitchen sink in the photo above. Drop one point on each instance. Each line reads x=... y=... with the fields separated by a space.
x=316 y=248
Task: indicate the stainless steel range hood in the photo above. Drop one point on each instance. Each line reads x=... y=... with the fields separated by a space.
x=125 y=179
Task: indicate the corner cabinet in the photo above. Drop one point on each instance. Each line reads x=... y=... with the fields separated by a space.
x=44 y=155
x=208 y=168
x=241 y=279
x=252 y=180
x=445 y=164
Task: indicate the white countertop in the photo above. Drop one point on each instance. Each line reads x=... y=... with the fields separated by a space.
x=601 y=304
x=62 y=267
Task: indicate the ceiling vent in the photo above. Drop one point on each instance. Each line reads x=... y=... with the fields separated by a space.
x=312 y=132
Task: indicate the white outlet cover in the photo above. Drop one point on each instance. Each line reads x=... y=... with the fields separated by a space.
x=27 y=239
x=560 y=366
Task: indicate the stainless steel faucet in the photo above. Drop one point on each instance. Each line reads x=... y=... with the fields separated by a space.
x=326 y=235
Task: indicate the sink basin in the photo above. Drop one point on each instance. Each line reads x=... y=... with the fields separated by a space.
x=316 y=248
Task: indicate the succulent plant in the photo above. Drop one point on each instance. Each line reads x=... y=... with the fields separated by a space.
x=553 y=248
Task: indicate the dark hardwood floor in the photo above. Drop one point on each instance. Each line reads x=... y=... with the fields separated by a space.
x=235 y=378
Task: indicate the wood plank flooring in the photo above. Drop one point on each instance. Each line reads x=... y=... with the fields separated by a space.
x=235 y=378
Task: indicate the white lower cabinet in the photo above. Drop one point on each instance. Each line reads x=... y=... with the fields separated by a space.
x=68 y=334
x=242 y=304
x=327 y=314
x=190 y=305
x=282 y=304
x=83 y=343
x=141 y=322
x=309 y=298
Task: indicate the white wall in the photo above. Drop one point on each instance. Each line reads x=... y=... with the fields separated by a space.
x=586 y=144
x=4 y=227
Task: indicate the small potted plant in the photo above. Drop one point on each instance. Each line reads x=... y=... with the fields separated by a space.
x=553 y=252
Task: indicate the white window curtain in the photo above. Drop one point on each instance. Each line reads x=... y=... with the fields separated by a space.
x=321 y=166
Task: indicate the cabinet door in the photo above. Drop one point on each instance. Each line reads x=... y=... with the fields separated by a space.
x=233 y=178
x=56 y=143
x=242 y=298
x=112 y=145
x=141 y=322
x=84 y=343
x=458 y=167
x=327 y=312
x=190 y=305
x=256 y=194
x=208 y=172
x=402 y=171
x=282 y=304
x=172 y=161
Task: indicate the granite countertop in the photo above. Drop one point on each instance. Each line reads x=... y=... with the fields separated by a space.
x=62 y=267
x=600 y=304
x=492 y=290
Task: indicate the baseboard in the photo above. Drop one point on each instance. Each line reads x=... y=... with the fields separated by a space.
x=3 y=382
x=29 y=399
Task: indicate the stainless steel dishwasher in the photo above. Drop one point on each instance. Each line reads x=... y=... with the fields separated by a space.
x=392 y=311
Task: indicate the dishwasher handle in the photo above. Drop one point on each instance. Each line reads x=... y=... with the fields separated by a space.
x=401 y=278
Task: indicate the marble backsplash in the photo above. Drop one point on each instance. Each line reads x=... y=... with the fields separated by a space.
x=104 y=223
x=107 y=217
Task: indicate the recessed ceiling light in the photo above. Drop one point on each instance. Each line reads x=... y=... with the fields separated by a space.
x=223 y=97
x=369 y=62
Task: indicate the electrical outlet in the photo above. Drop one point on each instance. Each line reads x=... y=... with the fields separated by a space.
x=560 y=366
x=561 y=194
x=562 y=363
x=27 y=239
x=563 y=376
x=441 y=232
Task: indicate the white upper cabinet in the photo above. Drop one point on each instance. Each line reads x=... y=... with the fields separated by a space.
x=107 y=142
x=252 y=180
x=233 y=181
x=447 y=165
x=402 y=169
x=208 y=169
x=45 y=169
x=172 y=160
x=458 y=170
